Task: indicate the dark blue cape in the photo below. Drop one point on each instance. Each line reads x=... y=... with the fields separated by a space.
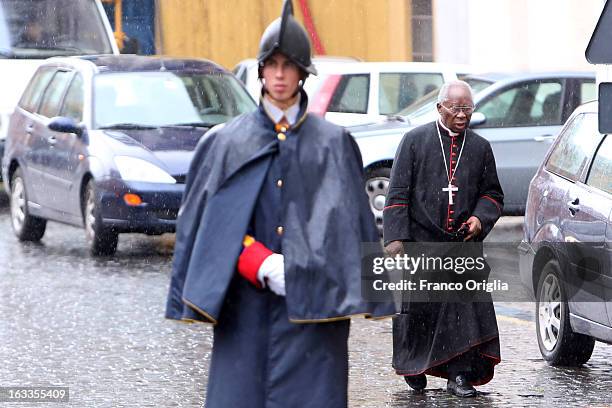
x=326 y=217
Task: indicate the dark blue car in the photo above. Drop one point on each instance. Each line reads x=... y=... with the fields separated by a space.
x=105 y=142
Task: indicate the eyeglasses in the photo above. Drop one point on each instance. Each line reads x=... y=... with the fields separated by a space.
x=455 y=109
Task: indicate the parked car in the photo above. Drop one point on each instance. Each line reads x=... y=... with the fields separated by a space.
x=565 y=255
x=105 y=142
x=246 y=71
x=520 y=115
x=364 y=92
x=32 y=31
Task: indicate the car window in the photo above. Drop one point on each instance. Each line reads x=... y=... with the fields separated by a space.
x=528 y=104
x=576 y=144
x=45 y=28
x=51 y=99
x=351 y=94
x=399 y=90
x=73 y=102
x=588 y=91
x=600 y=175
x=31 y=96
x=241 y=72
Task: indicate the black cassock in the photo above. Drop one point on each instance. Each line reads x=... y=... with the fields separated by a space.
x=437 y=338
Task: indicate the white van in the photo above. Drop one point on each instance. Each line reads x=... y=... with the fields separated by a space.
x=33 y=30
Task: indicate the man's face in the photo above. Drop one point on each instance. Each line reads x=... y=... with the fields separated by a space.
x=457 y=109
x=281 y=77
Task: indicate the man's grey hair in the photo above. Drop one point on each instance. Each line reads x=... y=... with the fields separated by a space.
x=443 y=94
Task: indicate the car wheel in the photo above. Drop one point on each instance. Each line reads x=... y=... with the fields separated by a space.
x=102 y=240
x=377 y=185
x=25 y=226
x=559 y=345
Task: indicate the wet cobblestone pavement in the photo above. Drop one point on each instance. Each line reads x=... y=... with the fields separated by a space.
x=97 y=327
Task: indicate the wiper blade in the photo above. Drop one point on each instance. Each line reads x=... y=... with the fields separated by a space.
x=191 y=124
x=127 y=126
x=49 y=47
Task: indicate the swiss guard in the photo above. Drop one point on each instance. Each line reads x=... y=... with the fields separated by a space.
x=268 y=243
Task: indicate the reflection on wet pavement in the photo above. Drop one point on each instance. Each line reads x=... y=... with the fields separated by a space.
x=97 y=326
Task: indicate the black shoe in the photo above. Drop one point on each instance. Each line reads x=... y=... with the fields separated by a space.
x=461 y=387
x=416 y=382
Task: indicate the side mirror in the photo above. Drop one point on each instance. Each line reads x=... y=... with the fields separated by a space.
x=478 y=118
x=65 y=125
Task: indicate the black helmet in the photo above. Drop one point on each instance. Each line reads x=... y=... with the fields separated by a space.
x=286 y=35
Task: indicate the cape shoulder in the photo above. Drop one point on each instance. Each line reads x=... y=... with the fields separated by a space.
x=244 y=135
x=334 y=136
x=418 y=134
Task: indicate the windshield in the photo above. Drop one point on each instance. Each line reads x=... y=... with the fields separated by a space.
x=167 y=98
x=45 y=28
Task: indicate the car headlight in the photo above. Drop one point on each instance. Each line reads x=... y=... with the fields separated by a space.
x=133 y=169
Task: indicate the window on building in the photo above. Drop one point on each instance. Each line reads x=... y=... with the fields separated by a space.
x=422 y=31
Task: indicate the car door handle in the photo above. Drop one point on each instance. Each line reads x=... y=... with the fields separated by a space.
x=52 y=140
x=543 y=138
x=574 y=206
x=29 y=129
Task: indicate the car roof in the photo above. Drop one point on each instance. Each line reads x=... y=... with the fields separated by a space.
x=521 y=76
x=489 y=76
x=403 y=66
x=251 y=63
x=592 y=106
x=139 y=63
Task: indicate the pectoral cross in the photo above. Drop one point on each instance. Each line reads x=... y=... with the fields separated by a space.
x=450 y=190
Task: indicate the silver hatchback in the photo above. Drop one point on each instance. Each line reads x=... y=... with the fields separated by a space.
x=566 y=252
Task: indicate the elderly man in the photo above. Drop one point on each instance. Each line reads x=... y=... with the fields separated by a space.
x=269 y=239
x=444 y=188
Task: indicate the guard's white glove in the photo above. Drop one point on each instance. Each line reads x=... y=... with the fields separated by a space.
x=271 y=273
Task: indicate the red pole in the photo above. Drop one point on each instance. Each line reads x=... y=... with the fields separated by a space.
x=310 y=27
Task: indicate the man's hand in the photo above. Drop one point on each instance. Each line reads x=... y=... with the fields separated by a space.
x=394 y=248
x=272 y=273
x=475 y=228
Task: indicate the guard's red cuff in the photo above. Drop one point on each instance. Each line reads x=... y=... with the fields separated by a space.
x=250 y=260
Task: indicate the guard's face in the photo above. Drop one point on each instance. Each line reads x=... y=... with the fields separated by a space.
x=281 y=78
x=457 y=109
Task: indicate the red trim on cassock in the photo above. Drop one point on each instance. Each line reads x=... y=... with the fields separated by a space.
x=251 y=259
x=395 y=205
x=494 y=202
x=451 y=177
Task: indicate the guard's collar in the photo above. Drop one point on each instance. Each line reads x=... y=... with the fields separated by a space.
x=276 y=113
x=301 y=116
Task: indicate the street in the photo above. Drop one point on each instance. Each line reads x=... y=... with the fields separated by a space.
x=97 y=327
